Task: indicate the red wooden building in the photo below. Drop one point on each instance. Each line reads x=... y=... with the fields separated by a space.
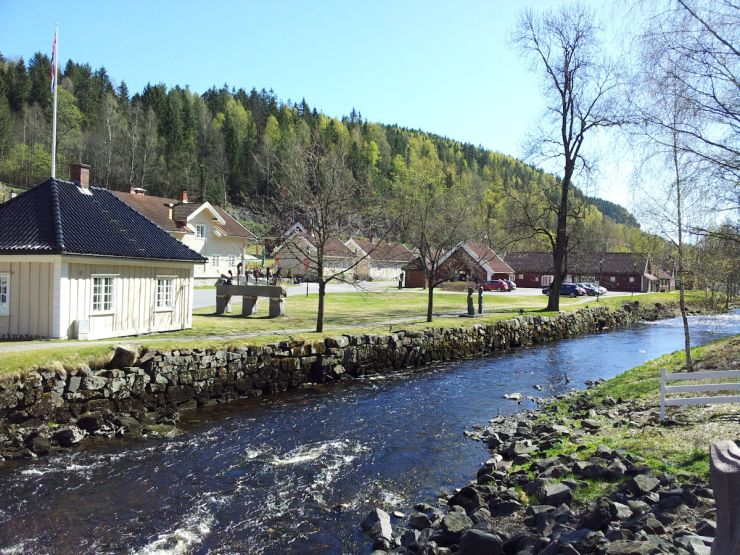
x=469 y=261
x=617 y=271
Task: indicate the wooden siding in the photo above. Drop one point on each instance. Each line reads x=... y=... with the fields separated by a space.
x=134 y=294
x=31 y=300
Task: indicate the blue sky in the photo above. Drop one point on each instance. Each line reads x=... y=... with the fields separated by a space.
x=445 y=67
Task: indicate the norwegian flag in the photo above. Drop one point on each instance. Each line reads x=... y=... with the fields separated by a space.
x=54 y=63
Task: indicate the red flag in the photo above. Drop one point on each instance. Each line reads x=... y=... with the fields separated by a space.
x=54 y=63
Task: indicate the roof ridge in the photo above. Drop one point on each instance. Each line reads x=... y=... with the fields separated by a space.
x=56 y=213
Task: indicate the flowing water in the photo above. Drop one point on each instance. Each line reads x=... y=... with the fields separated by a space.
x=296 y=473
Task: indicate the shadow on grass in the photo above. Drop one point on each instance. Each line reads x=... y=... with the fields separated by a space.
x=235 y=316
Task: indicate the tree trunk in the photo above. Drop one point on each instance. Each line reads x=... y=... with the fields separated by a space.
x=320 y=313
x=430 y=301
x=686 y=337
x=561 y=245
x=681 y=303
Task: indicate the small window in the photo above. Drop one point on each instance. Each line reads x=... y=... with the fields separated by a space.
x=632 y=280
x=215 y=261
x=200 y=231
x=232 y=261
x=165 y=287
x=102 y=299
x=612 y=279
x=4 y=294
x=521 y=276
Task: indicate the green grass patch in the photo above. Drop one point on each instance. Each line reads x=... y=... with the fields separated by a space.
x=677 y=449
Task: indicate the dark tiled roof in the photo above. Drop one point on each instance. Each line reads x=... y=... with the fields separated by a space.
x=233 y=228
x=182 y=210
x=485 y=255
x=385 y=250
x=530 y=262
x=613 y=262
x=157 y=210
x=154 y=208
x=56 y=217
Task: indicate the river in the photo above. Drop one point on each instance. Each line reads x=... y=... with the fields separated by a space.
x=296 y=473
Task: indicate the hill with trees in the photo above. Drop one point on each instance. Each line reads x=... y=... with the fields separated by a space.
x=225 y=145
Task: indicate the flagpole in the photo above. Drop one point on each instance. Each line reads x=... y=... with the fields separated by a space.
x=55 y=84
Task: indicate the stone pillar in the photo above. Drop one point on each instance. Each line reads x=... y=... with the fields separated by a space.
x=249 y=306
x=277 y=307
x=724 y=461
x=471 y=307
x=480 y=300
x=223 y=303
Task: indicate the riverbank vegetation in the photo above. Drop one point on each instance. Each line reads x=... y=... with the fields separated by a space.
x=591 y=472
x=681 y=446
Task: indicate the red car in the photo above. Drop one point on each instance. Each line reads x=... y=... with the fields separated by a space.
x=495 y=285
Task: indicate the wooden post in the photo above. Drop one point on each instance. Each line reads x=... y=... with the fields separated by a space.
x=662 y=393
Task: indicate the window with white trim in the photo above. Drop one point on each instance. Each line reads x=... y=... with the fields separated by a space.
x=102 y=294
x=612 y=279
x=165 y=292
x=215 y=260
x=232 y=261
x=521 y=276
x=4 y=294
x=632 y=280
x=200 y=231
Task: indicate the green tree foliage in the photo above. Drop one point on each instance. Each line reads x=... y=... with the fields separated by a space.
x=224 y=146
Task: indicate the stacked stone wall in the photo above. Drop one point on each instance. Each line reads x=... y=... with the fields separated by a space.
x=50 y=407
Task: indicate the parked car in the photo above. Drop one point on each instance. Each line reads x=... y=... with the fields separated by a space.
x=591 y=289
x=495 y=285
x=511 y=284
x=602 y=290
x=570 y=289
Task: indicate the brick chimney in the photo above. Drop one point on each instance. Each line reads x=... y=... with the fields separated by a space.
x=184 y=196
x=80 y=173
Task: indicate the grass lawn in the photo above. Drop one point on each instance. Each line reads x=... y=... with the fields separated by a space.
x=681 y=447
x=345 y=313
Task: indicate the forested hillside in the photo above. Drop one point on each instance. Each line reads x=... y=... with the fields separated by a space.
x=222 y=146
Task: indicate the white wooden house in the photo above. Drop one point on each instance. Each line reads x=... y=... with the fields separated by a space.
x=205 y=228
x=76 y=262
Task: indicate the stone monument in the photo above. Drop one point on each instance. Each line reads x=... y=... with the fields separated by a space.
x=471 y=307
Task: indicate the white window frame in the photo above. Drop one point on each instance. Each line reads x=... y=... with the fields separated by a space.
x=231 y=259
x=164 y=300
x=200 y=231
x=612 y=279
x=215 y=260
x=5 y=284
x=112 y=301
x=632 y=279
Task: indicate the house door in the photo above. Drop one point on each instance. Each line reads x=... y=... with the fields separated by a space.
x=546 y=280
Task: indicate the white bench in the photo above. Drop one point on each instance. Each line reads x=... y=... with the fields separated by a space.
x=694 y=388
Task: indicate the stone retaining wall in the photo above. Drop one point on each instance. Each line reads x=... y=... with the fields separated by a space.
x=44 y=409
